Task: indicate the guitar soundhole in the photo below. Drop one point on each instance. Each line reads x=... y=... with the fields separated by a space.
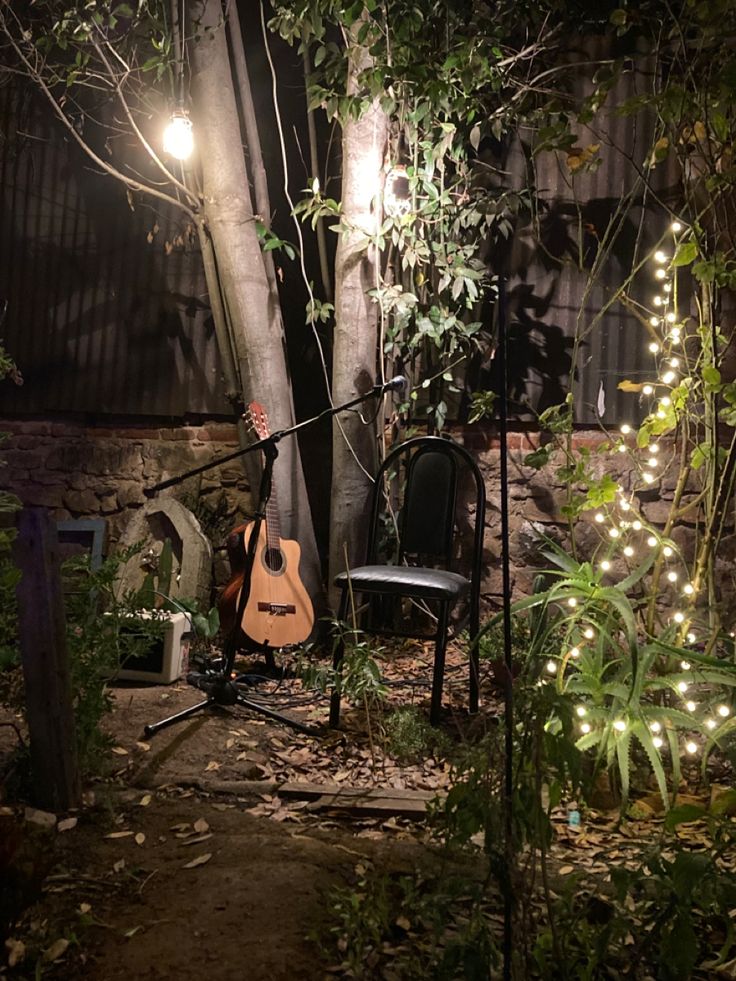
x=273 y=559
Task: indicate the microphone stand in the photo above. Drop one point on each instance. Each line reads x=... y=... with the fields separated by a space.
x=220 y=686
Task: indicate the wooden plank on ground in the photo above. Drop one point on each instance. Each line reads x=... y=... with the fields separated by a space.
x=364 y=801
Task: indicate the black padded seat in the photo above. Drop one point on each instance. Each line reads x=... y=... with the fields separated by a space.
x=405 y=580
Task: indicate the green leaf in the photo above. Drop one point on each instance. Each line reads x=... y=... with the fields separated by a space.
x=686 y=253
x=682 y=814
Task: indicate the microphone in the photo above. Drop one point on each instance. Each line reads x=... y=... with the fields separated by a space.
x=397 y=384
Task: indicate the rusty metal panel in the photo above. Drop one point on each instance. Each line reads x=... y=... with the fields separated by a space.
x=558 y=287
x=103 y=316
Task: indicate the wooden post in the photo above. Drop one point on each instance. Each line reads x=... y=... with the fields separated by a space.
x=42 y=632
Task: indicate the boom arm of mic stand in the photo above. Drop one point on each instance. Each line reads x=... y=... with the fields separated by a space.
x=273 y=438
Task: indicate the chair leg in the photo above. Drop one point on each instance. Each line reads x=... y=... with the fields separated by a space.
x=439 y=664
x=337 y=660
x=474 y=663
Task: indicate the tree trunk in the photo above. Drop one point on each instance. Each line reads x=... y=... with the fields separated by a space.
x=258 y=338
x=355 y=350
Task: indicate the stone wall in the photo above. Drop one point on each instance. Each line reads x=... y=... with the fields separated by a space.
x=96 y=472
x=79 y=471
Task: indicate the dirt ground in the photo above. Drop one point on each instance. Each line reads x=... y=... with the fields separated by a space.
x=185 y=862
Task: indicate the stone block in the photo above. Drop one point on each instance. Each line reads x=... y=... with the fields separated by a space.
x=42 y=497
x=130 y=494
x=82 y=502
x=108 y=503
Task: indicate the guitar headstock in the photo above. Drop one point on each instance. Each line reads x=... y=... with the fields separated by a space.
x=258 y=419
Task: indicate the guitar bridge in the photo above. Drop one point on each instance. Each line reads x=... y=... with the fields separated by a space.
x=277 y=609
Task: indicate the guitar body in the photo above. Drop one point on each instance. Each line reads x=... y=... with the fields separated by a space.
x=279 y=611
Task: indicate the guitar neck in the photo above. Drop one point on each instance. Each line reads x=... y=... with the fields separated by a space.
x=273 y=523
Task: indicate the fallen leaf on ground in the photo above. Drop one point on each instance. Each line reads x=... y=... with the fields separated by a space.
x=201 y=825
x=212 y=765
x=120 y=834
x=120 y=751
x=119 y=865
x=199 y=860
x=85 y=908
x=145 y=800
x=67 y=824
x=196 y=841
x=140 y=838
x=566 y=869
x=143 y=747
x=57 y=949
x=16 y=951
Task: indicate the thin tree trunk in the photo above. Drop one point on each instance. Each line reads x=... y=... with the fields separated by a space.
x=258 y=337
x=356 y=329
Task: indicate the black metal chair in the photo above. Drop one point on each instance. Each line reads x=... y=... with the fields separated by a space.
x=441 y=489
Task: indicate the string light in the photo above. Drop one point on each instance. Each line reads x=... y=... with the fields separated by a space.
x=661 y=257
x=668 y=377
x=651 y=541
x=691 y=747
x=661 y=414
x=661 y=274
x=654 y=321
x=619 y=725
x=600 y=518
x=572 y=602
x=674 y=362
x=652 y=461
x=551 y=667
x=667 y=287
x=685 y=665
x=613 y=532
x=624 y=505
x=636 y=525
x=605 y=565
x=682 y=687
x=710 y=724
x=724 y=711
x=679 y=617
x=648 y=390
x=589 y=633
x=581 y=711
x=691 y=638
x=658 y=301
x=675 y=227
x=657 y=742
x=666 y=401
x=672 y=576
x=690 y=706
x=688 y=589
x=585 y=728
x=655 y=726
x=648 y=478
x=668 y=551
x=626 y=429
x=574 y=652
x=654 y=347
x=670 y=317
x=628 y=551
x=621 y=448
x=654 y=448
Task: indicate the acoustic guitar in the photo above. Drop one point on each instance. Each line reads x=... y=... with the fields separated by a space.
x=279 y=611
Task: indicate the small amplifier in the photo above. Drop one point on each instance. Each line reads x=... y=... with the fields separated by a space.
x=162 y=659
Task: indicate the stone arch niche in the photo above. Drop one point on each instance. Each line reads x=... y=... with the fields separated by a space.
x=191 y=576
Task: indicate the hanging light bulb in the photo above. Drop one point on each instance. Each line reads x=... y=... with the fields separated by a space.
x=397 y=191
x=178 y=135
x=661 y=414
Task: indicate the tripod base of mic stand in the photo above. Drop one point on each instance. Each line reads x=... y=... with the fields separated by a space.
x=221 y=691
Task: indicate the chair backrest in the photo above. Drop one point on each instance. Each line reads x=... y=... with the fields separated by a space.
x=438 y=481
